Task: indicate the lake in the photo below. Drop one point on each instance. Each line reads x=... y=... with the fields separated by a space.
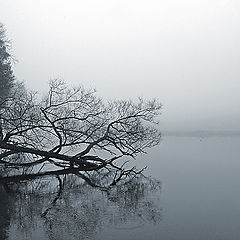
x=201 y=187
x=199 y=199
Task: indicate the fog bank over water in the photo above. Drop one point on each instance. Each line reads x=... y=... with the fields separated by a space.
x=186 y=53
x=202 y=134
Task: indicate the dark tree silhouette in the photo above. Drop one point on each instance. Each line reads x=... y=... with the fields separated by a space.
x=6 y=73
x=72 y=131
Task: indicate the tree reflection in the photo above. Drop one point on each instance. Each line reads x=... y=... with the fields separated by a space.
x=82 y=211
x=5 y=213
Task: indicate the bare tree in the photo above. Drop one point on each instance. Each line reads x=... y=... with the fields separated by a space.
x=72 y=131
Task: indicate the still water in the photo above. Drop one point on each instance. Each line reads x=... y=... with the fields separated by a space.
x=199 y=199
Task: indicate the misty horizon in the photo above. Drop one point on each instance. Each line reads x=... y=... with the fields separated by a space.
x=184 y=53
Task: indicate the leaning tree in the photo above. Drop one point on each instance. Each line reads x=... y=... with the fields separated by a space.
x=71 y=131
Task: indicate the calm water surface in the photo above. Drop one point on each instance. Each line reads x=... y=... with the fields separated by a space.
x=200 y=199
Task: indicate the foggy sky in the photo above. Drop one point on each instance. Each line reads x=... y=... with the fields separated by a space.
x=184 y=52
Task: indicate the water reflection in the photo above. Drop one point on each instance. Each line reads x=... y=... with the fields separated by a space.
x=82 y=212
x=5 y=214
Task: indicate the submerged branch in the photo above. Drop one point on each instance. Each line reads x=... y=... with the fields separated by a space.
x=33 y=176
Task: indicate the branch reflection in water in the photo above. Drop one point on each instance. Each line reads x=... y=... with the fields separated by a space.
x=81 y=211
x=5 y=213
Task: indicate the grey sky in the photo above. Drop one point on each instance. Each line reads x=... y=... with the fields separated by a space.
x=184 y=52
